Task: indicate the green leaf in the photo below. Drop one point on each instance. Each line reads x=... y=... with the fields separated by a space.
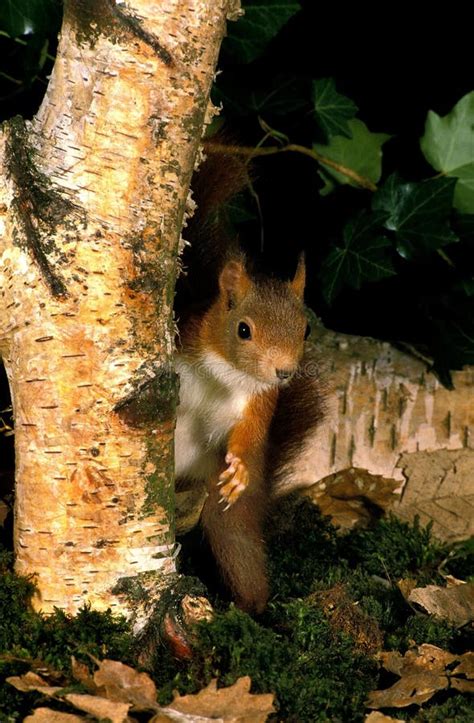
x=283 y=95
x=362 y=153
x=329 y=184
x=418 y=213
x=26 y=17
x=448 y=145
x=333 y=110
x=365 y=256
x=250 y=35
x=464 y=191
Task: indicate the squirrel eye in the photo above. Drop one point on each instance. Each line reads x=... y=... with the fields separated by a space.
x=308 y=331
x=243 y=330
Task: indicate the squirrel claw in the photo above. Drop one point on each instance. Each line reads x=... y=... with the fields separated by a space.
x=236 y=479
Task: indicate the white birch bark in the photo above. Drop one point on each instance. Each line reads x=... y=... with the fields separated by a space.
x=91 y=206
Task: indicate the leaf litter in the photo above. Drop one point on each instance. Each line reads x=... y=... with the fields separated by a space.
x=117 y=689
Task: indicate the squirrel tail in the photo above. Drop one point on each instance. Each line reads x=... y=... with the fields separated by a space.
x=212 y=242
x=236 y=540
x=220 y=177
x=302 y=405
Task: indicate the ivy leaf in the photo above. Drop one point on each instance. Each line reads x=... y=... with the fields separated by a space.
x=27 y=17
x=333 y=110
x=329 y=184
x=418 y=213
x=263 y=19
x=284 y=94
x=365 y=256
x=448 y=145
x=464 y=191
x=361 y=153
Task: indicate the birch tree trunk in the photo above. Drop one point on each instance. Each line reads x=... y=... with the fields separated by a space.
x=91 y=205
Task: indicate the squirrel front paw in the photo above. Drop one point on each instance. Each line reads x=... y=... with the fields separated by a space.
x=235 y=480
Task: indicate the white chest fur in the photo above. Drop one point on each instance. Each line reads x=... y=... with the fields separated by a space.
x=212 y=399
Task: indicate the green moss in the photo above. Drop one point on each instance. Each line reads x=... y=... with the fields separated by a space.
x=293 y=652
x=460 y=562
x=394 y=549
x=380 y=599
x=88 y=633
x=303 y=550
x=306 y=551
x=17 y=618
x=152 y=402
x=422 y=629
x=159 y=487
x=26 y=635
x=153 y=398
x=458 y=709
x=317 y=672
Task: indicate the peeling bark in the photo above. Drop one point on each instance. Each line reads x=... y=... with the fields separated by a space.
x=439 y=489
x=388 y=415
x=91 y=208
x=382 y=404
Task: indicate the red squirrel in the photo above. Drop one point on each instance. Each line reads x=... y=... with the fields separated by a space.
x=248 y=394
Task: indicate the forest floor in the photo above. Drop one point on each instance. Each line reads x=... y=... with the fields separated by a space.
x=342 y=635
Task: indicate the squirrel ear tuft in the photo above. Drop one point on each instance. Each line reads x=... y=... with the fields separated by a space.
x=299 y=279
x=234 y=280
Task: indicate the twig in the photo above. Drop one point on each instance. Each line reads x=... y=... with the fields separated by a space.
x=251 y=152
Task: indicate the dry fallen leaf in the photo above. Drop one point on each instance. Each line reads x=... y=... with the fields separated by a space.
x=423 y=671
x=234 y=704
x=455 y=604
x=377 y=717
x=196 y=609
x=81 y=673
x=47 y=715
x=406 y=585
x=31 y=681
x=116 y=688
x=463 y=674
x=351 y=496
x=189 y=504
x=100 y=707
x=120 y=682
x=452 y=581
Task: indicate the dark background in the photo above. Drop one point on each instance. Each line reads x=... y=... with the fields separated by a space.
x=395 y=67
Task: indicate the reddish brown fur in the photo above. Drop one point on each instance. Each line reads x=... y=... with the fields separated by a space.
x=278 y=418
x=275 y=422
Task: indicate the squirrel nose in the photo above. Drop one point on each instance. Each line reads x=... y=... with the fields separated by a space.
x=284 y=373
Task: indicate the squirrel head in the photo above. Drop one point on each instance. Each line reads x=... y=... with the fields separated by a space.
x=258 y=326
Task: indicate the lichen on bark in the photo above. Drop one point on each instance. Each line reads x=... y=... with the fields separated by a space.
x=39 y=207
